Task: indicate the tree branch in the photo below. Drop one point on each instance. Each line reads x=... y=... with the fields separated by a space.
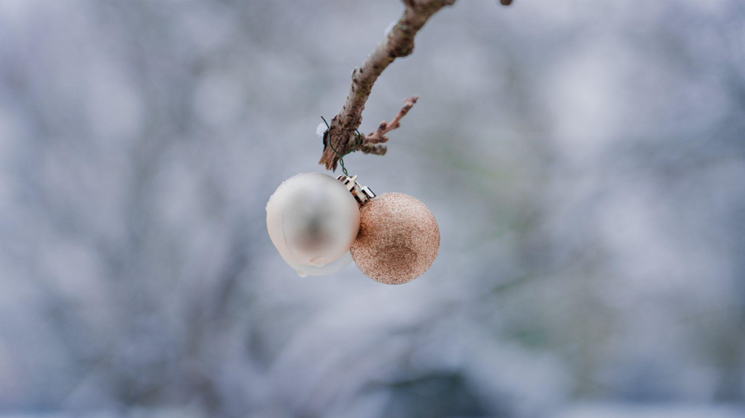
x=399 y=42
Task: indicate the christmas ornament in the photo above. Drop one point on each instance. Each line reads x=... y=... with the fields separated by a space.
x=319 y=225
x=398 y=239
x=312 y=220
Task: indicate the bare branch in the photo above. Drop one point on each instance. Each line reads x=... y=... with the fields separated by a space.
x=399 y=42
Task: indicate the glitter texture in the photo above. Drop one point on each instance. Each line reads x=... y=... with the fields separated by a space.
x=398 y=239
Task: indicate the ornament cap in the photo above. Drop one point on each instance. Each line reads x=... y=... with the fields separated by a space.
x=362 y=194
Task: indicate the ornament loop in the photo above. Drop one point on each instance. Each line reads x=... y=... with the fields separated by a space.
x=327 y=140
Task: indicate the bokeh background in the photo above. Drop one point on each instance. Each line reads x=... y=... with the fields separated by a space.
x=585 y=160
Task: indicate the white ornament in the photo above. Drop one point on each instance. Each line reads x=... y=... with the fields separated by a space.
x=312 y=220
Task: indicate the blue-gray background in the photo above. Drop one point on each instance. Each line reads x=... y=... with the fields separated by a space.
x=585 y=160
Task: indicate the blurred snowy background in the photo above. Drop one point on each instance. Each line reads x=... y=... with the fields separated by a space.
x=585 y=160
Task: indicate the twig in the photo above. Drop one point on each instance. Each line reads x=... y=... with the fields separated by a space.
x=399 y=42
x=378 y=137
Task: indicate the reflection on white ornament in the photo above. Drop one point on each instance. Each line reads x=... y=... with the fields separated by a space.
x=330 y=268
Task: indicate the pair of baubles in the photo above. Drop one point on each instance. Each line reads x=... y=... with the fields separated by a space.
x=320 y=225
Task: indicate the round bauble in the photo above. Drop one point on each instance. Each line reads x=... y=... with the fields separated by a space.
x=312 y=220
x=398 y=239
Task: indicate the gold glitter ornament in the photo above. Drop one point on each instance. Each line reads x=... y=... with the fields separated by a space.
x=398 y=239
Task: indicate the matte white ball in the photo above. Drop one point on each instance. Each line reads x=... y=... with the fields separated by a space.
x=312 y=219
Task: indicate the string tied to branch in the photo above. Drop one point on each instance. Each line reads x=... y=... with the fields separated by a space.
x=327 y=140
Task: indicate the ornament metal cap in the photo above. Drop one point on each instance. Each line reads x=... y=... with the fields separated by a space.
x=362 y=194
